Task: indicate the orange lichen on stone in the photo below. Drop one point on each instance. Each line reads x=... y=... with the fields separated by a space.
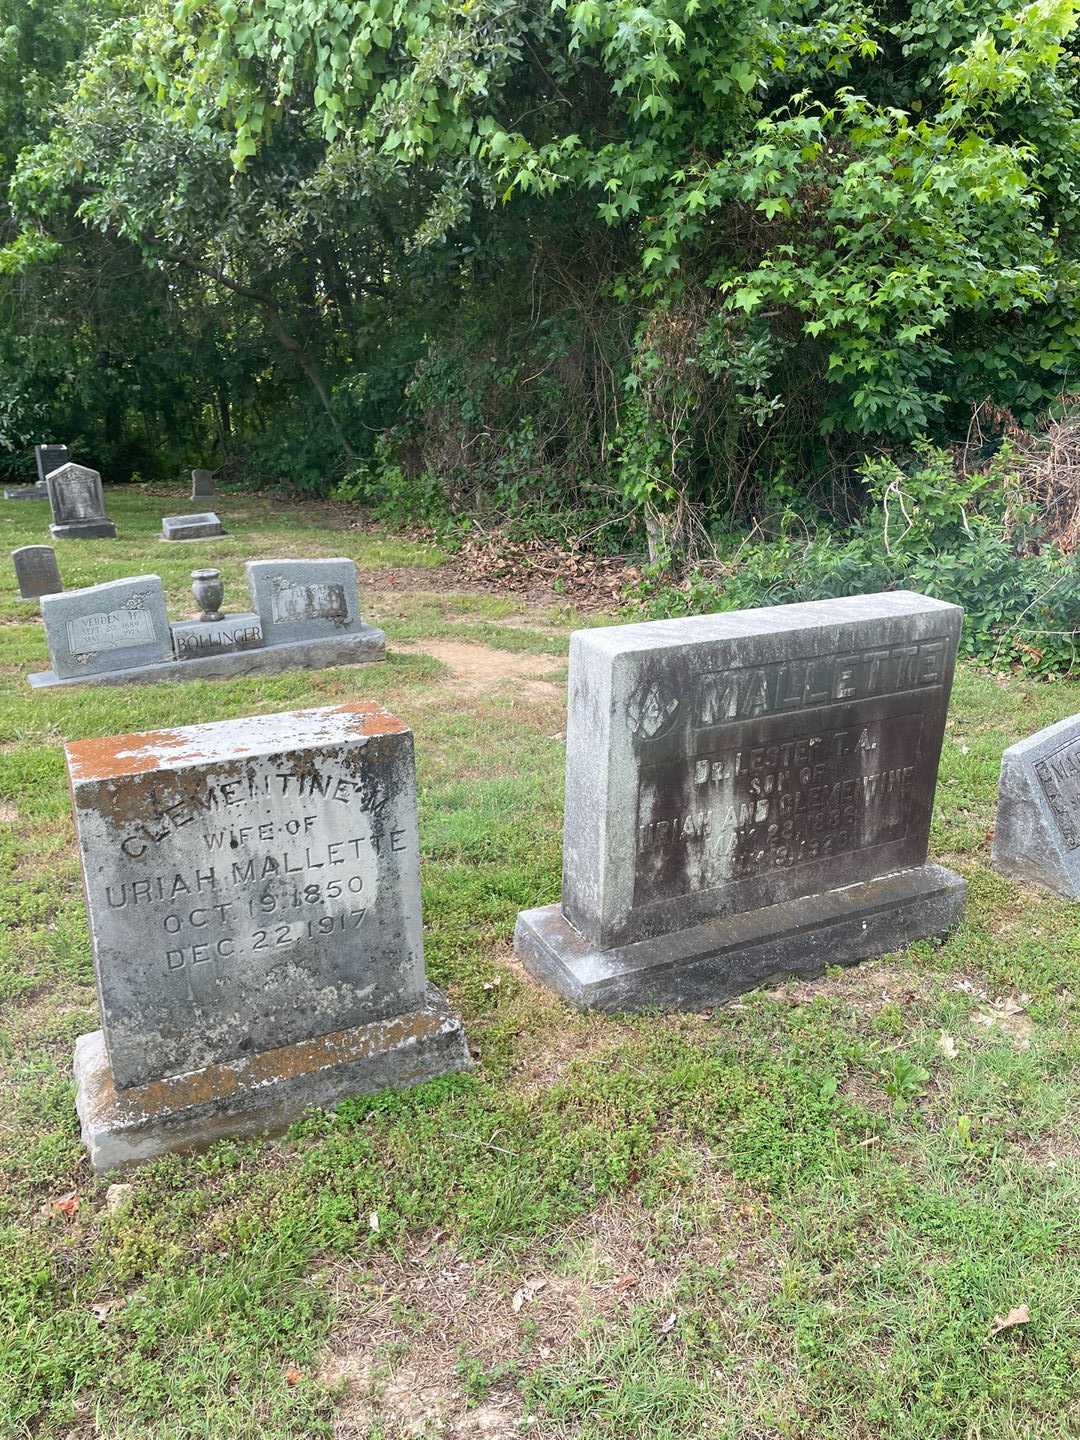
x=111 y=755
x=375 y=721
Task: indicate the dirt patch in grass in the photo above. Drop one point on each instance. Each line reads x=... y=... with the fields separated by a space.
x=479 y=669
x=432 y=1343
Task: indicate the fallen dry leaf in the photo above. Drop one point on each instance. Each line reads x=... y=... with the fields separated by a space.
x=527 y=1292
x=67 y=1205
x=293 y=1376
x=1020 y=1316
x=103 y=1309
x=627 y=1282
x=373 y=1220
x=1010 y=1017
x=668 y=1325
x=947 y=1045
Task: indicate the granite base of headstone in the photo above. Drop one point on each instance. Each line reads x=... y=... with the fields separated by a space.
x=37 y=571
x=202 y=484
x=78 y=504
x=26 y=492
x=748 y=796
x=253 y=891
x=1037 y=830
x=191 y=527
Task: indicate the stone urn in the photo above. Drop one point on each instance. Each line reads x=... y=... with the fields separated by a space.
x=209 y=591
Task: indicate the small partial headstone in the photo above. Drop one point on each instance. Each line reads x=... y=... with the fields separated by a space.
x=253 y=892
x=78 y=504
x=191 y=527
x=748 y=795
x=299 y=600
x=202 y=484
x=37 y=571
x=107 y=628
x=1037 y=830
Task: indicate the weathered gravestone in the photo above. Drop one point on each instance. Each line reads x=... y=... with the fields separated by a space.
x=107 y=628
x=298 y=600
x=253 y=892
x=747 y=795
x=1037 y=831
x=191 y=527
x=202 y=484
x=47 y=458
x=78 y=505
x=37 y=571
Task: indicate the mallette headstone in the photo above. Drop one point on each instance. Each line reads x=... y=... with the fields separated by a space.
x=108 y=627
x=299 y=600
x=254 y=901
x=1037 y=830
x=78 y=504
x=202 y=484
x=748 y=795
x=37 y=571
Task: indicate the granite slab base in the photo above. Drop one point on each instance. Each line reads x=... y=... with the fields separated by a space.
x=708 y=964
x=26 y=492
x=356 y=647
x=261 y=1094
x=86 y=530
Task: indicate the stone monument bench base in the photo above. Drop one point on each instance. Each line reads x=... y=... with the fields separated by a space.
x=708 y=964
x=354 y=647
x=85 y=530
x=261 y=1093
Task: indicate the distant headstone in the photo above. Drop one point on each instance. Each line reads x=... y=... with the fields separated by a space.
x=253 y=893
x=37 y=571
x=202 y=484
x=748 y=795
x=78 y=504
x=300 y=600
x=49 y=458
x=106 y=628
x=1037 y=831
x=191 y=527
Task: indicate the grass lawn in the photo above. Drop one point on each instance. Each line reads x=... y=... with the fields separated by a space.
x=798 y=1216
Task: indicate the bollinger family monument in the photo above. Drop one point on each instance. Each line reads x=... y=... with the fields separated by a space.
x=253 y=891
x=748 y=795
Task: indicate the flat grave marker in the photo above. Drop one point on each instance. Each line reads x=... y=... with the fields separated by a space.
x=191 y=527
